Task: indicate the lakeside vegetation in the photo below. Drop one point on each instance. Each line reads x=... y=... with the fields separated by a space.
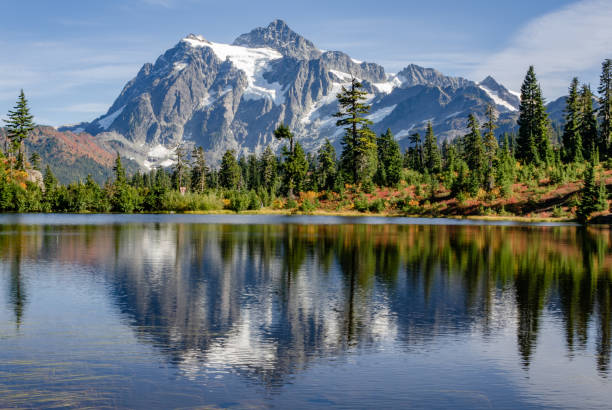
x=537 y=172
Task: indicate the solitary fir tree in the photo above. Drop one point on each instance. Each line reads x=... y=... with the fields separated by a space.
x=431 y=152
x=533 y=145
x=572 y=140
x=358 y=159
x=18 y=127
x=605 y=106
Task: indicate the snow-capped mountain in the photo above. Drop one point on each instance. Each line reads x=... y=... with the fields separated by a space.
x=222 y=96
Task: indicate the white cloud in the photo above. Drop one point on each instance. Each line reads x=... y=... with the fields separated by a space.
x=568 y=42
x=86 y=108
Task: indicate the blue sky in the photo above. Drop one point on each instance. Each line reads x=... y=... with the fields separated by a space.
x=72 y=58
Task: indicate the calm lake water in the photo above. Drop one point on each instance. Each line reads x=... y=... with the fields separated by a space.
x=182 y=311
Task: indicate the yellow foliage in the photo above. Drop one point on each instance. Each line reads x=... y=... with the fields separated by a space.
x=278 y=203
x=481 y=194
x=413 y=202
x=310 y=196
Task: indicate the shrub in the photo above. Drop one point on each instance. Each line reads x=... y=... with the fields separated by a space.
x=291 y=204
x=307 y=206
x=377 y=205
x=174 y=201
x=368 y=186
x=278 y=203
x=238 y=201
x=264 y=196
x=361 y=203
x=254 y=202
x=558 y=212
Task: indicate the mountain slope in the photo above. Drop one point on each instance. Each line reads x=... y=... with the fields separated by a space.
x=72 y=156
x=222 y=96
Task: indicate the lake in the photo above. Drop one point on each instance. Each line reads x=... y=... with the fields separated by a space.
x=180 y=311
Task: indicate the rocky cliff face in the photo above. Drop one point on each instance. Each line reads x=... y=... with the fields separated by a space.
x=222 y=96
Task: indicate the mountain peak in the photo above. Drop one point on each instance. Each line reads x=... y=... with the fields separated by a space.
x=417 y=75
x=491 y=83
x=507 y=98
x=279 y=36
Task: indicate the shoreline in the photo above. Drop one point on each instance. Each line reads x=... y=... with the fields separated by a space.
x=486 y=219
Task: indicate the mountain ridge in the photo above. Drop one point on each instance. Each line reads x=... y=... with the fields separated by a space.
x=232 y=96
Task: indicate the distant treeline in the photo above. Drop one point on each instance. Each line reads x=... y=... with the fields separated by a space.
x=480 y=164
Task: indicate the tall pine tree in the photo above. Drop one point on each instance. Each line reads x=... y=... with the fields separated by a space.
x=269 y=169
x=572 y=140
x=490 y=145
x=359 y=156
x=588 y=124
x=431 y=152
x=18 y=127
x=533 y=144
x=198 y=170
x=473 y=146
x=230 y=173
x=605 y=106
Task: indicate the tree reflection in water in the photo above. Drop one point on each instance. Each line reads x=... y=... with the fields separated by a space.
x=268 y=299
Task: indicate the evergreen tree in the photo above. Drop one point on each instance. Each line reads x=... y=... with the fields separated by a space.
x=414 y=154
x=49 y=180
x=327 y=167
x=180 y=168
x=490 y=145
x=268 y=169
x=589 y=195
x=35 y=161
x=254 y=181
x=199 y=170
x=431 y=153
x=602 y=196
x=295 y=168
x=572 y=140
x=588 y=123
x=230 y=173
x=284 y=133
x=120 y=177
x=474 y=149
x=451 y=161
x=124 y=198
x=605 y=106
x=244 y=172
x=533 y=145
x=358 y=159
x=505 y=168
x=389 y=160
x=18 y=127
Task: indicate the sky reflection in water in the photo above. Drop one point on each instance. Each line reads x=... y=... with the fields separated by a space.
x=161 y=311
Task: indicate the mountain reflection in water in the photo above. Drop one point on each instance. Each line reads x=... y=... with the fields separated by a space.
x=265 y=302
